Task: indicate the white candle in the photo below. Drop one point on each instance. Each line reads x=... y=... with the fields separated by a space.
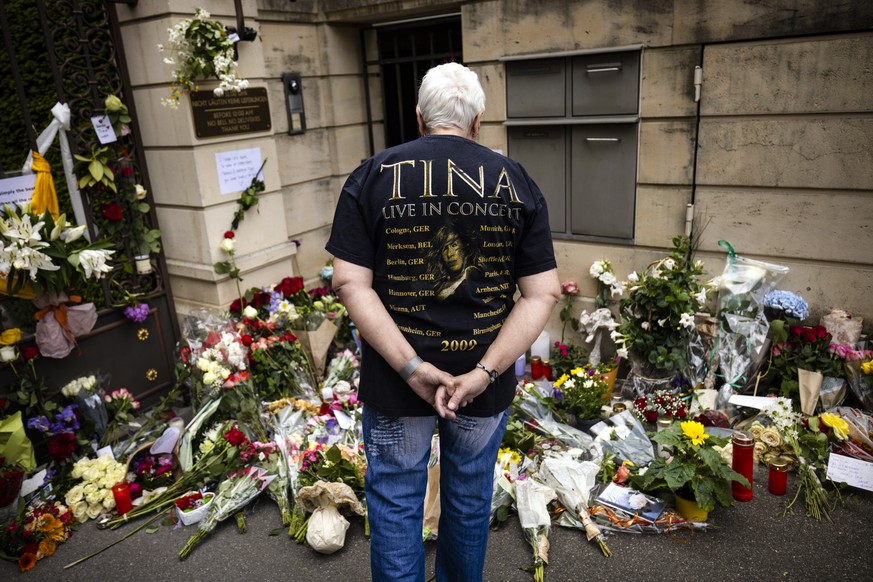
x=541 y=346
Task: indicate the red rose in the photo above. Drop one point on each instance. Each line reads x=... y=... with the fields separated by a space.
x=185 y=354
x=235 y=437
x=681 y=413
x=236 y=306
x=112 y=212
x=621 y=474
x=61 y=446
x=246 y=339
x=29 y=353
x=796 y=330
x=290 y=285
x=651 y=416
x=289 y=337
x=820 y=332
x=569 y=288
x=126 y=170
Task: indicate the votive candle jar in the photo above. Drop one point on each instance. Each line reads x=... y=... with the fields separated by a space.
x=743 y=463
x=536 y=367
x=121 y=493
x=777 y=479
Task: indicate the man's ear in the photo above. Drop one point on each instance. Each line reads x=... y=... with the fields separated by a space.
x=422 y=128
x=474 y=131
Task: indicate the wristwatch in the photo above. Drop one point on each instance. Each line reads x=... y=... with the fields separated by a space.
x=492 y=374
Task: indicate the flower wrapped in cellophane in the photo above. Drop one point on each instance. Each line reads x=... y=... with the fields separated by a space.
x=572 y=481
x=234 y=493
x=532 y=499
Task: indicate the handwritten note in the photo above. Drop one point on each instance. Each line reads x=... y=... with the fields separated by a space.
x=854 y=472
x=237 y=168
x=103 y=128
x=17 y=189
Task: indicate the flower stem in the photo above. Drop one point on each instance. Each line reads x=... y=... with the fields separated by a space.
x=121 y=539
x=192 y=543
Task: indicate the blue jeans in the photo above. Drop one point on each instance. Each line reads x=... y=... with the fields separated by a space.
x=397 y=454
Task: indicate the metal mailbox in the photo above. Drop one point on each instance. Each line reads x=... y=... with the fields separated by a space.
x=541 y=150
x=536 y=88
x=606 y=83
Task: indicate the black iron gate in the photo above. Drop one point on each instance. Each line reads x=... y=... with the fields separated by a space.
x=69 y=52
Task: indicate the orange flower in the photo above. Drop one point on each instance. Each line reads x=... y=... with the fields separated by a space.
x=26 y=561
x=47 y=547
x=52 y=527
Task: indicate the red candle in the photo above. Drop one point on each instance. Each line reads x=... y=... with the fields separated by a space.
x=536 y=367
x=743 y=463
x=547 y=371
x=121 y=492
x=777 y=481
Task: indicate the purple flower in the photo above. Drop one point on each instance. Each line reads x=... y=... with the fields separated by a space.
x=557 y=394
x=137 y=313
x=39 y=423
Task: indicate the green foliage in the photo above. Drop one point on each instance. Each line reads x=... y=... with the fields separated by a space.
x=94 y=169
x=657 y=314
x=694 y=470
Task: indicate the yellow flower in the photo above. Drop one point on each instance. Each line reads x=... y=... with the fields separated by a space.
x=47 y=547
x=560 y=381
x=867 y=367
x=52 y=527
x=840 y=426
x=10 y=336
x=694 y=431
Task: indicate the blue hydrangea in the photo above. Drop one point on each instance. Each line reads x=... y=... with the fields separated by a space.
x=787 y=302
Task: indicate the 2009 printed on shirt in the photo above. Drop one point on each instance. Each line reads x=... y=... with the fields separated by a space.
x=463 y=345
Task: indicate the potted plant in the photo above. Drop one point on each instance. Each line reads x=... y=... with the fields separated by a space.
x=657 y=316
x=582 y=392
x=695 y=471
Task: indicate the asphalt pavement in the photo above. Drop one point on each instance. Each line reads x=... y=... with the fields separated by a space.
x=748 y=541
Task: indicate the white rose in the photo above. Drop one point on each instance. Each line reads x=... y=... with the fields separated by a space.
x=80 y=511
x=94 y=498
x=8 y=354
x=250 y=312
x=90 y=489
x=94 y=511
x=140 y=192
x=92 y=474
x=109 y=502
x=227 y=245
x=209 y=378
x=74 y=495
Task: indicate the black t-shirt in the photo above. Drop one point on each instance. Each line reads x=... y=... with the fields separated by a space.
x=447 y=226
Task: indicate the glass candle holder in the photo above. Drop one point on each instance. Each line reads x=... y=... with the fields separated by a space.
x=777 y=478
x=121 y=493
x=536 y=367
x=743 y=463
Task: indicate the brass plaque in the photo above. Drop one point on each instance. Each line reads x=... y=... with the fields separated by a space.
x=231 y=114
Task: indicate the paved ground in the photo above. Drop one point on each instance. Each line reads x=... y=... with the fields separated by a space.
x=749 y=541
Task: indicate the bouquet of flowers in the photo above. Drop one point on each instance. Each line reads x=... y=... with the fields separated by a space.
x=92 y=496
x=583 y=392
x=769 y=443
x=120 y=404
x=804 y=348
x=532 y=499
x=694 y=470
x=61 y=433
x=607 y=283
x=507 y=469
x=276 y=365
x=221 y=457
x=36 y=533
x=809 y=439
x=200 y=47
x=235 y=492
x=658 y=404
x=190 y=507
x=152 y=471
x=657 y=316
x=87 y=393
x=46 y=252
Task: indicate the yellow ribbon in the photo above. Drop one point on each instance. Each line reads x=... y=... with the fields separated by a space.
x=44 y=198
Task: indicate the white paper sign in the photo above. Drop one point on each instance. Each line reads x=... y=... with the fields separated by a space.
x=103 y=128
x=759 y=402
x=236 y=169
x=17 y=189
x=343 y=420
x=854 y=472
x=105 y=451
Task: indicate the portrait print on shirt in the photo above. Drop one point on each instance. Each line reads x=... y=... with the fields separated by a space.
x=452 y=258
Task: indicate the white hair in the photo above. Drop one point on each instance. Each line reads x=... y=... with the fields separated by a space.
x=450 y=96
